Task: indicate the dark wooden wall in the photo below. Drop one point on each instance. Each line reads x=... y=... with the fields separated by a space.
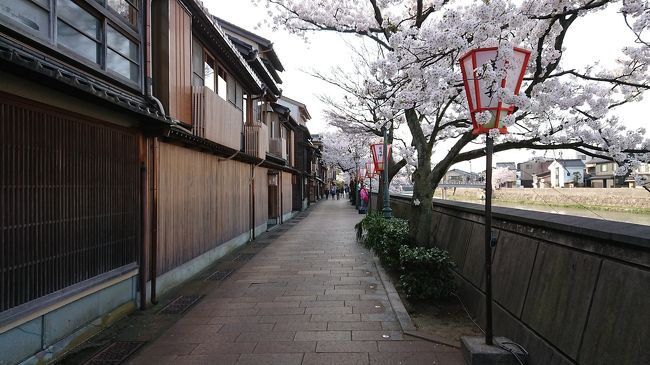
x=69 y=200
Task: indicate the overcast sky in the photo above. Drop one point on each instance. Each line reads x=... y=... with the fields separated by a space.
x=596 y=37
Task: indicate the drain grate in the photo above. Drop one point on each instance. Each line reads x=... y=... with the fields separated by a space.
x=219 y=275
x=180 y=304
x=115 y=353
x=243 y=257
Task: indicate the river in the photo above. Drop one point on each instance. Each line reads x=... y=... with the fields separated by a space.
x=636 y=218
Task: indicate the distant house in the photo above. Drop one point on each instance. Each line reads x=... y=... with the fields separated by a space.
x=456 y=176
x=567 y=173
x=601 y=173
x=506 y=165
x=527 y=171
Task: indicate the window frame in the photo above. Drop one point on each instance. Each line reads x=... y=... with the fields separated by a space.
x=106 y=17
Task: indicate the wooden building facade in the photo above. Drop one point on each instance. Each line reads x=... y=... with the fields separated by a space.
x=137 y=145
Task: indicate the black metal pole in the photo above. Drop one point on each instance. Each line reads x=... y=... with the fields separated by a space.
x=370 y=198
x=388 y=212
x=489 y=147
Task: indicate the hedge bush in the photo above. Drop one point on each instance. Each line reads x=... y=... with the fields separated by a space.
x=425 y=273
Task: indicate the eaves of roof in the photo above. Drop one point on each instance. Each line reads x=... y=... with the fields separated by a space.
x=203 y=21
x=59 y=76
x=265 y=44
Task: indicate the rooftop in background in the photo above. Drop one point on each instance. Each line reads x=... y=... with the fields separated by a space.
x=571 y=163
x=265 y=44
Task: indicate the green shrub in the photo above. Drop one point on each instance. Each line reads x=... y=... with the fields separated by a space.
x=373 y=225
x=426 y=273
x=394 y=235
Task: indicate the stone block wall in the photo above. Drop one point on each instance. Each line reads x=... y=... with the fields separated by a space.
x=571 y=290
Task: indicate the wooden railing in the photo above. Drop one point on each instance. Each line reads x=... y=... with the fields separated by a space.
x=256 y=140
x=215 y=119
x=278 y=147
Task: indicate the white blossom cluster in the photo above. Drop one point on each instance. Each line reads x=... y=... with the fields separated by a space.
x=419 y=68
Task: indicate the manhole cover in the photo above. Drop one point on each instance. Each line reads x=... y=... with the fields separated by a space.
x=180 y=304
x=218 y=275
x=115 y=353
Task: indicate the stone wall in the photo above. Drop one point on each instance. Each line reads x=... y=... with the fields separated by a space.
x=571 y=290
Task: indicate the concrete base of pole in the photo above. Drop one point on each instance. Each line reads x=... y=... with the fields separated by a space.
x=476 y=352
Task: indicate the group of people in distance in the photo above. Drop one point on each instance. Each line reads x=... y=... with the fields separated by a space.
x=337 y=191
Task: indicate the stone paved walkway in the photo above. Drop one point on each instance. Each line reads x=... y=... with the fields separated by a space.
x=313 y=296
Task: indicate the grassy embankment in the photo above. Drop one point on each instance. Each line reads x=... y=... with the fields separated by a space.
x=620 y=200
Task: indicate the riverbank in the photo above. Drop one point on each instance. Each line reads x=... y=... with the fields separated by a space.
x=616 y=200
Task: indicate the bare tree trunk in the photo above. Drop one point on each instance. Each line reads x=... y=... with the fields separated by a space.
x=420 y=222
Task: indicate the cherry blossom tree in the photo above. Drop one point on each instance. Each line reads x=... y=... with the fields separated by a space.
x=418 y=76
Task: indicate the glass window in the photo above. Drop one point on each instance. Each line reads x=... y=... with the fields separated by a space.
x=231 y=89
x=222 y=85
x=246 y=109
x=603 y=167
x=121 y=65
x=78 y=18
x=121 y=44
x=78 y=42
x=197 y=63
x=127 y=9
x=28 y=15
x=208 y=73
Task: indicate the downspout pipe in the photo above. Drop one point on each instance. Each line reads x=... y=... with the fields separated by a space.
x=148 y=79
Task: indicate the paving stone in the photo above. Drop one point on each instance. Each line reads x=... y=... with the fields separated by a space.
x=409 y=346
x=286 y=318
x=376 y=335
x=323 y=303
x=322 y=336
x=306 y=298
x=270 y=359
x=266 y=336
x=329 y=310
x=280 y=310
x=354 y=326
x=223 y=348
x=221 y=359
x=350 y=358
x=285 y=347
x=410 y=358
x=300 y=326
x=246 y=327
x=346 y=346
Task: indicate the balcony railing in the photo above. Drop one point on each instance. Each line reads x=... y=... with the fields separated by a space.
x=256 y=137
x=278 y=147
x=215 y=119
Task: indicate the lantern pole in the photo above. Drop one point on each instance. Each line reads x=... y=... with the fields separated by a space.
x=370 y=197
x=489 y=149
x=356 y=178
x=388 y=213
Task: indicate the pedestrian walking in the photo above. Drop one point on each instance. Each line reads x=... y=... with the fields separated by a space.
x=363 y=195
x=327 y=194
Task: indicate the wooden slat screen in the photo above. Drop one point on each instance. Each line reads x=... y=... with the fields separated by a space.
x=256 y=140
x=220 y=121
x=69 y=201
x=203 y=201
x=261 y=196
x=287 y=193
x=180 y=71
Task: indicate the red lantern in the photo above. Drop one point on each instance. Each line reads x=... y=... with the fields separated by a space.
x=370 y=169
x=378 y=155
x=481 y=95
x=362 y=173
